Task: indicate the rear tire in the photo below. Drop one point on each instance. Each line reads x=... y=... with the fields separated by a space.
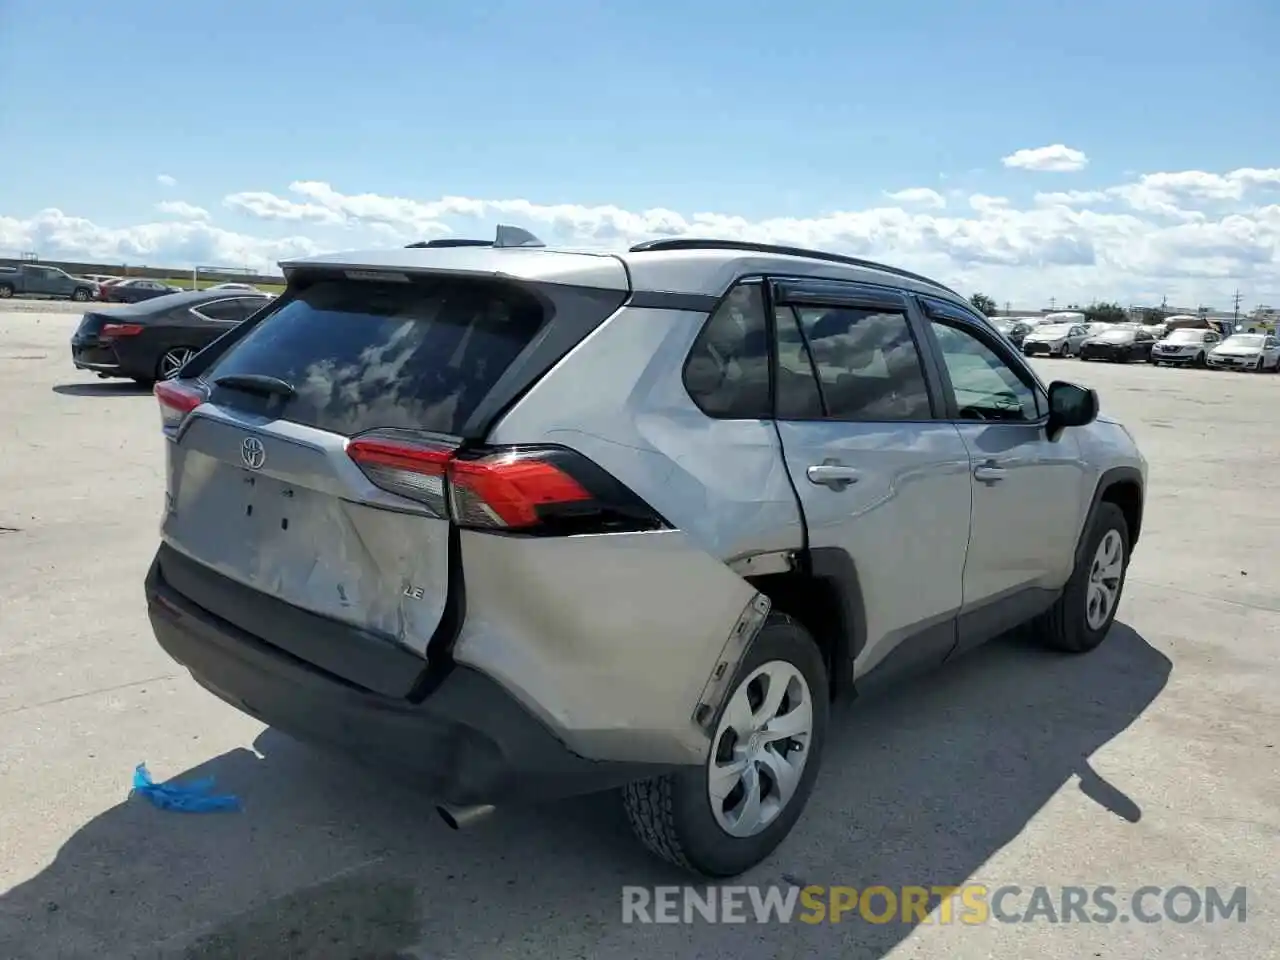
x=6 y=291
x=171 y=361
x=673 y=815
x=1076 y=623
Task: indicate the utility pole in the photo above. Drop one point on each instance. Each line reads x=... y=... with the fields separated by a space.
x=1053 y=303
x=1008 y=308
x=1236 y=305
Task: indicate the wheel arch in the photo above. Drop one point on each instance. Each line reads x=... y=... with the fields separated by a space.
x=824 y=594
x=1122 y=486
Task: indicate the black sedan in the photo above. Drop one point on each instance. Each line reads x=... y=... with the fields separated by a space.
x=1119 y=345
x=151 y=341
x=135 y=290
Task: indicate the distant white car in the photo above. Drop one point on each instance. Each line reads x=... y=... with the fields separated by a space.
x=1247 y=351
x=232 y=286
x=1185 y=347
x=1055 y=340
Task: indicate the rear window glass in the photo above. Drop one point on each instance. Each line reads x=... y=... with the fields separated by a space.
x=361 y=355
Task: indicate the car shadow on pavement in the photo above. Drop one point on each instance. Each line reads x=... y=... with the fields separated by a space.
x=919 y=787
x=102 y=388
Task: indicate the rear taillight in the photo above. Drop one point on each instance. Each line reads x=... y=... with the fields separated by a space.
x=416 y=471
x=120 y=330
x=176 y=400
x=544 y=490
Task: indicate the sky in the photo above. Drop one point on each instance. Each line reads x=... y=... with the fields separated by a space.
x=1090 y=151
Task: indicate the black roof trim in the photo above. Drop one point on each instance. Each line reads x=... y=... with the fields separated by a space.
x=449 y=242
x=699 y=243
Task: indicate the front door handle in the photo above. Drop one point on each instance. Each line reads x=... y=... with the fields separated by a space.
x=989 y=473
x=832 y=473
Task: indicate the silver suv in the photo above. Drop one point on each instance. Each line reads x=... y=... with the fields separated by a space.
x=521 y=523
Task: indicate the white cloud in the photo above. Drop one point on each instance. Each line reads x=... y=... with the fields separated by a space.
x=1058 y=158
x=165 y=180
x=180 y=208
x=56 y=236
x=268 y=206
x=1071 y=198
x=985 y=204
x=1193 y=236
x=921 y=195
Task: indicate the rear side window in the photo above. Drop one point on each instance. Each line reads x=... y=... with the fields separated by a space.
x=727 y=371
x=233 y=310
x=362 y=355
x=849 y=363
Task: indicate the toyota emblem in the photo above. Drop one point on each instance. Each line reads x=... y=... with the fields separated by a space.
x=253 y=453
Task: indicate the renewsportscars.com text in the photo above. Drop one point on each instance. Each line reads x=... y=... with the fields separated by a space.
x=971 y=904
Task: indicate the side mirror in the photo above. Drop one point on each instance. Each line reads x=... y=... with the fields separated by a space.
x=1070 y=406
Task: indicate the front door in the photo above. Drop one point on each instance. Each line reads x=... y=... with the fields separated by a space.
x=882 y=483
x=1028 y=488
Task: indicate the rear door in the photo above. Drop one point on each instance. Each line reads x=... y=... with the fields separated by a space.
x=261 y=488
x=880 y=478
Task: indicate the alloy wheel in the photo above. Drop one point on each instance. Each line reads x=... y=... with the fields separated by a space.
x=1104 y=579
x=760 y=749
x=173 y=360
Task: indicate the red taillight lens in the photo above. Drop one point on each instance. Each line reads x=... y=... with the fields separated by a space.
x=120 y=330
x=176 y=401
x=509 y=489
x=545 y=490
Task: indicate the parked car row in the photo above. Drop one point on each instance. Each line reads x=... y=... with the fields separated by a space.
x=43 y=282
x=1128 y=342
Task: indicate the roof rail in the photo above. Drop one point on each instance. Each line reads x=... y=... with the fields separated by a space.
x=506 y=236
x=699 y=243
x=449 y=242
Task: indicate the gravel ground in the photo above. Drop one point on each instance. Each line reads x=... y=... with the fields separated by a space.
x=1152 y=761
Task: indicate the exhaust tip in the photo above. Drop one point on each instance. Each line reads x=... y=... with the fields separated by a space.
x=459 y=818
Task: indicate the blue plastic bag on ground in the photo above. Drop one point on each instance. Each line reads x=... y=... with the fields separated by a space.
x=191 y=797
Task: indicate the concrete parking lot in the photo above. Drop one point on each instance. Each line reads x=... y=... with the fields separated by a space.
x=1153 y=761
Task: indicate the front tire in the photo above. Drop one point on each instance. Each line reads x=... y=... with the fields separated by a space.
x=1081 y=617
x=725 y=816
x=80 y=295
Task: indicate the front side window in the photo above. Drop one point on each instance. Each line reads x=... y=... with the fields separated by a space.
x=986 y=387
x=727 y=371
x=849 y=363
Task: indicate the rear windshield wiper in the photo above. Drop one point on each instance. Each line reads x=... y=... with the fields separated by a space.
x=257 y=383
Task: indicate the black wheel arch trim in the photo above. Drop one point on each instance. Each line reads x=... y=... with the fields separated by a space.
x=1110 y=479
x=835 y=566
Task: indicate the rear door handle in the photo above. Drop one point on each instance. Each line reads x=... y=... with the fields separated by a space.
x=989 y=473
x=832 y=473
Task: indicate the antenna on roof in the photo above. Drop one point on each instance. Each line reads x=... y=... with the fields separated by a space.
x=515 y=237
